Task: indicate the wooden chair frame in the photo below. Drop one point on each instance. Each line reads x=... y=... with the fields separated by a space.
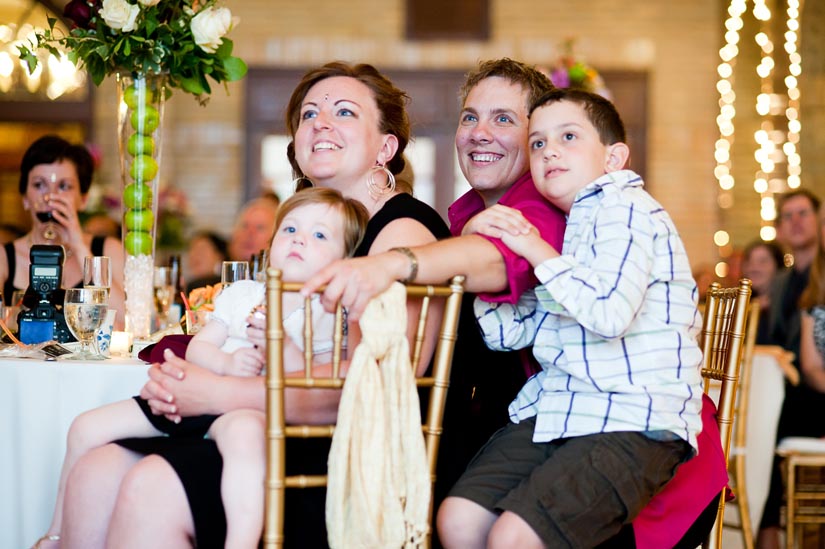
x=736 y=459
x=277 y=431
x=723 y=342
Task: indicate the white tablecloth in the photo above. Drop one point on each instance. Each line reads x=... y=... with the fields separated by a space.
x=38 y=401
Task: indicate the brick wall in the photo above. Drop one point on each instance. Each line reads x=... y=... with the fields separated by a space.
x=675 y=41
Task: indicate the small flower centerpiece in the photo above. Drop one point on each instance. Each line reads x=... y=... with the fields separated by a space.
x=570 y=72
x=203 y=299
x=152 y=47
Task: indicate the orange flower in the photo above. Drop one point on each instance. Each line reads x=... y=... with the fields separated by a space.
x=203 y=298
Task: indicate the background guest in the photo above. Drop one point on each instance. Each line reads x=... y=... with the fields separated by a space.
x=762 y=262
x=101 y=224
x=55 y=177
x=253 y=230
x=207 y=251
x=812 y=330
x=797 y=230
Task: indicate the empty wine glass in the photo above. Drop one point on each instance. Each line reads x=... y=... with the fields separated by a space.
x=164 y=291
x=85 y=310
x=234 y=271
x=97 y=272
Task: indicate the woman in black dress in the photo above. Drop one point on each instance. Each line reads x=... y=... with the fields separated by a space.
x=349 y=127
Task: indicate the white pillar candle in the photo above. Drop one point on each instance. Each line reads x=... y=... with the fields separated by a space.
x=121 y=343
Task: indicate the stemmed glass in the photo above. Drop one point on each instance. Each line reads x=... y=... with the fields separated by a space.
x=97 y=272
x=234 y=271
x=46 y=216
x=164 y=291
x=85 y=310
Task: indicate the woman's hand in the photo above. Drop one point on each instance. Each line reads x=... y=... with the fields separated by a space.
x=497 y=220
x=356 y=281
x=177 y=388
x=65 y=213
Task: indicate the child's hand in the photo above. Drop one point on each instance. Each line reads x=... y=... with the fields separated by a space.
x=246 y=362
x=497 y=220
x=256 y=328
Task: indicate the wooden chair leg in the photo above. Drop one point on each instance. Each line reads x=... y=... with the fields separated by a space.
x=790 y=504
x=742 y=502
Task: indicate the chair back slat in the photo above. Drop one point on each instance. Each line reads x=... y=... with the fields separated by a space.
x=277 y=431
x=723 y=333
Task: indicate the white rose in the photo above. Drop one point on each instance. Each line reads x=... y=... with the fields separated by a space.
x=119 y=14
x=148 y=3
x=209 y=26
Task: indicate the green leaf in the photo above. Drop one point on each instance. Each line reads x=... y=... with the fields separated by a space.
x=192 y=85
x=225 y=49
x=235 y=68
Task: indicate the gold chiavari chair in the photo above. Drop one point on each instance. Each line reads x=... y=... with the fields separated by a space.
x=738 y=452
x=723 y=343
x=278 y=431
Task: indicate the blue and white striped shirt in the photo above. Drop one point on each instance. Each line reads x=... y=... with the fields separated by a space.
x=613 y=322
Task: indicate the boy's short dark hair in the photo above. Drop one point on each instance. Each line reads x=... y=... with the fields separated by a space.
x=600 y=111
x=781 y=199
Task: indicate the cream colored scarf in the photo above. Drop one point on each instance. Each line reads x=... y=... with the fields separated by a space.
x=378 y=492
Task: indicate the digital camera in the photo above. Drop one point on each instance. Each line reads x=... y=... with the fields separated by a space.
x=42 y=317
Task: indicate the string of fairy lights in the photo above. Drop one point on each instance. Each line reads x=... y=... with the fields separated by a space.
x=777 y=139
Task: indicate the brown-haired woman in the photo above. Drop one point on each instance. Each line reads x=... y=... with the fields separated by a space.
x=349 y=128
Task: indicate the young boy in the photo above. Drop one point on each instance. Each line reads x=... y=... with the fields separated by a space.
x=616 y=407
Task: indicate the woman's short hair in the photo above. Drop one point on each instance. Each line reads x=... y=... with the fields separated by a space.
x=535 y=82
x=355 y=214
x=391 y=102
x=50 y=149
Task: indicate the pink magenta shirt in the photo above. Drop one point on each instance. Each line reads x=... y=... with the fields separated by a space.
x=524 y=197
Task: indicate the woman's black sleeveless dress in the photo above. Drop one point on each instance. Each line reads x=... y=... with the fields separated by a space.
x=467 y=425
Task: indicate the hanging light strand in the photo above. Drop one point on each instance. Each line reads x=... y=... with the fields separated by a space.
x=792 y=85
x=725 y=121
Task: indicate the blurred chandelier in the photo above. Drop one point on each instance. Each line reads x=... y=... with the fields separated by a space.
x=51 y=79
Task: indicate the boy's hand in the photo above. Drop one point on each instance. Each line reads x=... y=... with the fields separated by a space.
x=515 y=231
x=496 y=220
x=245 y=362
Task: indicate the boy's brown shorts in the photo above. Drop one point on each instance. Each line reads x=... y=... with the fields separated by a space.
x=573 y=492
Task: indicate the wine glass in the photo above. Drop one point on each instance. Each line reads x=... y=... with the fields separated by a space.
x=46 y=216
x=164 y=291
x=85 y=310
x=234 y=271
x=97 y=272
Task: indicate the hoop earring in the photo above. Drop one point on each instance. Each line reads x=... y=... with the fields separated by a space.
x=302 y=182
x=376 y=190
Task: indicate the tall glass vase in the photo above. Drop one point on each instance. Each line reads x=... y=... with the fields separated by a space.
x=141 y=100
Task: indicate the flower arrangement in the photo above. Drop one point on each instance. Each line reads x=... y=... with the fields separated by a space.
x=203 y=299
x=568 y=72
x=185 y=39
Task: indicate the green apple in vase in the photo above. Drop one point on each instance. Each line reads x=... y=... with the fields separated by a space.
x=145 y=119
x=139 y=220
x=138 y=243
x=137 y=196
x=144 y=168
x=132 y=97
x=140 y=144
